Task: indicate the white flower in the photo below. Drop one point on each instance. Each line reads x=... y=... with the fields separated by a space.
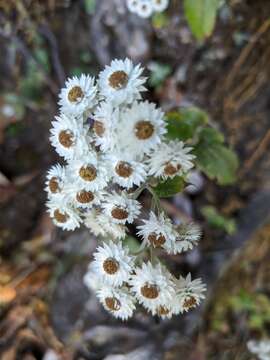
x=189 y=293
x=90 y=220
x=171 y=159
x=121 y=82
x=152 y=286
x=91 y=279
x=142 y=128
x=56 y=178
x=187 y=236
x=89 y=173
x=106 y=118
x=160 y=5
x=260 y=348
x=63 y=215
x=121 y=208
x=83 y=198
x=158 y=231
x=145 y=8
x=117 y=301
x=78 y=95
x=117 y=231
x=125 y=171
x=113 y=263
x=132 y=5
x=69 y=137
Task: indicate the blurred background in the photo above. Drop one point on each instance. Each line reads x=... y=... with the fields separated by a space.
x=46 y=312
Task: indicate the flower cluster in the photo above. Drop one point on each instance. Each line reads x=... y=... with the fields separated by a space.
x=146 y=8
x=114 y=146
x=260 y=348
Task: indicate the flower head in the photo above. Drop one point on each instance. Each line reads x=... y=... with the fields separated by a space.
x=121 y=208
x=55 y=180
x=79 y=95
x=113 y=263
x=117 y=301
x=171 y=159
x=121 y=82
x=63 y=215
x=160 y=5
x=152 y=286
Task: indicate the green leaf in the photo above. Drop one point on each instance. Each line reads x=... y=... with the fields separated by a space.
x=201 y=16
x=183 y=124
x=132 y=243
x=158 y=73
x=169 y=187
x=218 y=221
x=90 y=6
x=214 y=158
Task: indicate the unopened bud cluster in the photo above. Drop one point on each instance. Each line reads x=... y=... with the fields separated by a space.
x=114 y=145
x=146 y=8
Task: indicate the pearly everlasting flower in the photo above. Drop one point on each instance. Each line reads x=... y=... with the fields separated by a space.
x=63 y=215
x=79 y=95
x=69 y=137
x=260 y=348
x=186 y=237
x=55 y=180
x=171 y=159
x=89 y=173
x=91 y=279
x=121 y=82
x=82 y=198
x=143 y=128
x=106 y=118
x=145 y=8
x=113 y=263
x=127 y=172
x=120 y=208
x=117 y=301
x=189 y=293
x=152 y=286
x=158 y=231
x=133 y=5
x=159 y=5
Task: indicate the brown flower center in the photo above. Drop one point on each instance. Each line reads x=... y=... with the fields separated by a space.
x=149 y=291
x=66 y=138
x=162 y=310
x=112 y=303
x=99 y=128
x=170 y=169
x=53 y=185
x=119 y=213
x=110 y=266
x=75 y=94
x=118 y=79
x=85 y=197
x=189 y=302
x=144 y=130
x=123 y=169
x=157 y=240
x=88 y=173
x=60 y=217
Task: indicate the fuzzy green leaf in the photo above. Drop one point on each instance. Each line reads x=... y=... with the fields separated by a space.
x=214 y=158
x=201 y=16
x=183 y=124
x=170 y=187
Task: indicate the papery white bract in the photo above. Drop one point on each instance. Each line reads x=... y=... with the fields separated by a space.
x=152 y=286
x=170 y=159
x=186 y=237
x=91 y=279
x=142 y=128
x=260 y=348
x=117 y=301
x=55 y=180
x=113 y=264
x=79 y=95
x=63 y=215
x=160 y=5
x=145 y=8
x=121 y=82
x=121 y=208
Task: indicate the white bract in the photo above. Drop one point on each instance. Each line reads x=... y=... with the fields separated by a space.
x=79 y=95
x=113 y=263
x=260 y=348
x=114 y=148
x=146 y=8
